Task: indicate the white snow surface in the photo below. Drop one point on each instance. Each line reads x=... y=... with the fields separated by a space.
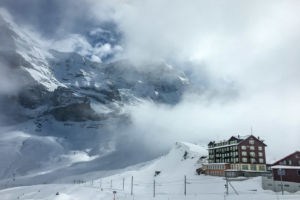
x=181 y=161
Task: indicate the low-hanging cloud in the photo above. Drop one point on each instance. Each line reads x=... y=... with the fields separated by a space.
x=198 y=121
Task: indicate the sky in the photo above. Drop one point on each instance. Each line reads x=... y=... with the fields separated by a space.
x=251 y=47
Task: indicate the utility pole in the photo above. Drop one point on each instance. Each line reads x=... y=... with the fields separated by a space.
x=184 y=185
x=132 y=185
x=154 y=188
x=123 y=183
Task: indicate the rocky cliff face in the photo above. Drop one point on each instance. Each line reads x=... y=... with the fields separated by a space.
x=67 y=85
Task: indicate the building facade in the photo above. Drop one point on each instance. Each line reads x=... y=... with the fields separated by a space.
x=291 y=178
x=242 y=153
x=216 y=169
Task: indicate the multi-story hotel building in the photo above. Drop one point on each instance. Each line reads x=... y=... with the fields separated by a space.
x=243 y=153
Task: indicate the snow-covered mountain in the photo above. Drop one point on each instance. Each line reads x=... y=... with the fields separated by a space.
x=71 y=87
x=64 y=114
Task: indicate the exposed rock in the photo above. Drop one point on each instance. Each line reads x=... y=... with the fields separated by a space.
x=76 y=112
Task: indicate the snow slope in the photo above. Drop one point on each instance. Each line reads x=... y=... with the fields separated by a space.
x=68 y=112
x=181 y=161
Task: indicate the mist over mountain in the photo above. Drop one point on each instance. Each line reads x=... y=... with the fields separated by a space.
x=63 y=110
x=107 y=85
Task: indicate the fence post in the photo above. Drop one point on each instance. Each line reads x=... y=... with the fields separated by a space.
x=184 y=185
x=227 y=185
x=154 y=188
x=132 y=185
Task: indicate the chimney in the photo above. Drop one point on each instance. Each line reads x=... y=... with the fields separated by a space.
x=258 y=137
x=238 y=136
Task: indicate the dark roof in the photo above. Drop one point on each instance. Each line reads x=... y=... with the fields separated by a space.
x=286 y=157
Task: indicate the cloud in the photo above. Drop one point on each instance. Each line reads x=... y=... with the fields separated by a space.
x=95 y=59
x=97 y=31
x=200 y=121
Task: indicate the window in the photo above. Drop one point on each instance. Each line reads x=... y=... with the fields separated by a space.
x=244 y=153
x=260 y=148
x=252 y=154
x=252 y=147
x=299 y=162
x=270 y=184
x=236 y=159
x=252 y=160
x=261 y=160
x=245 y=167
x=286 y=185
x=285 y=162
x=261 y=168
x=244 y=147
x=297 y=156
x=260 y=154
x=244 y=159
x=290 y=162
x=251 y=141
x=253 y=167
x=298 y=172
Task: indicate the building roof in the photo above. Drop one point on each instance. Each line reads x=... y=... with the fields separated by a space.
x=217 y=163
x=236 y=170
x=225 y=146
x=286 y=157
x=285 y=167
x=242 y=138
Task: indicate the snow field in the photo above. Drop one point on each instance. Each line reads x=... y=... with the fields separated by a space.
x=180 y=162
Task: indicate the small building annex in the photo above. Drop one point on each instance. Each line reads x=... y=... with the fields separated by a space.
x=290 y=166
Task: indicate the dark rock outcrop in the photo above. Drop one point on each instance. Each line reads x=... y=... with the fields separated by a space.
x=76 y=112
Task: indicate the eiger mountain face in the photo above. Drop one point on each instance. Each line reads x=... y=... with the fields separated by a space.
x=67 y=85
x=61 y=111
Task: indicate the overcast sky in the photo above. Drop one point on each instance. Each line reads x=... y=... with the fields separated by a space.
x=253 y=44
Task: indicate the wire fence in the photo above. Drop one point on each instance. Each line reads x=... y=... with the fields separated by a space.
x=129 y=186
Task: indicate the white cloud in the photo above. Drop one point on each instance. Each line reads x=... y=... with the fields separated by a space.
x=98 y=31
x=256 y=43
x=78 y=43
x=95 y=58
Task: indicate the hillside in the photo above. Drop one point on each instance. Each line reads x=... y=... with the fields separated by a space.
x=180 y=162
